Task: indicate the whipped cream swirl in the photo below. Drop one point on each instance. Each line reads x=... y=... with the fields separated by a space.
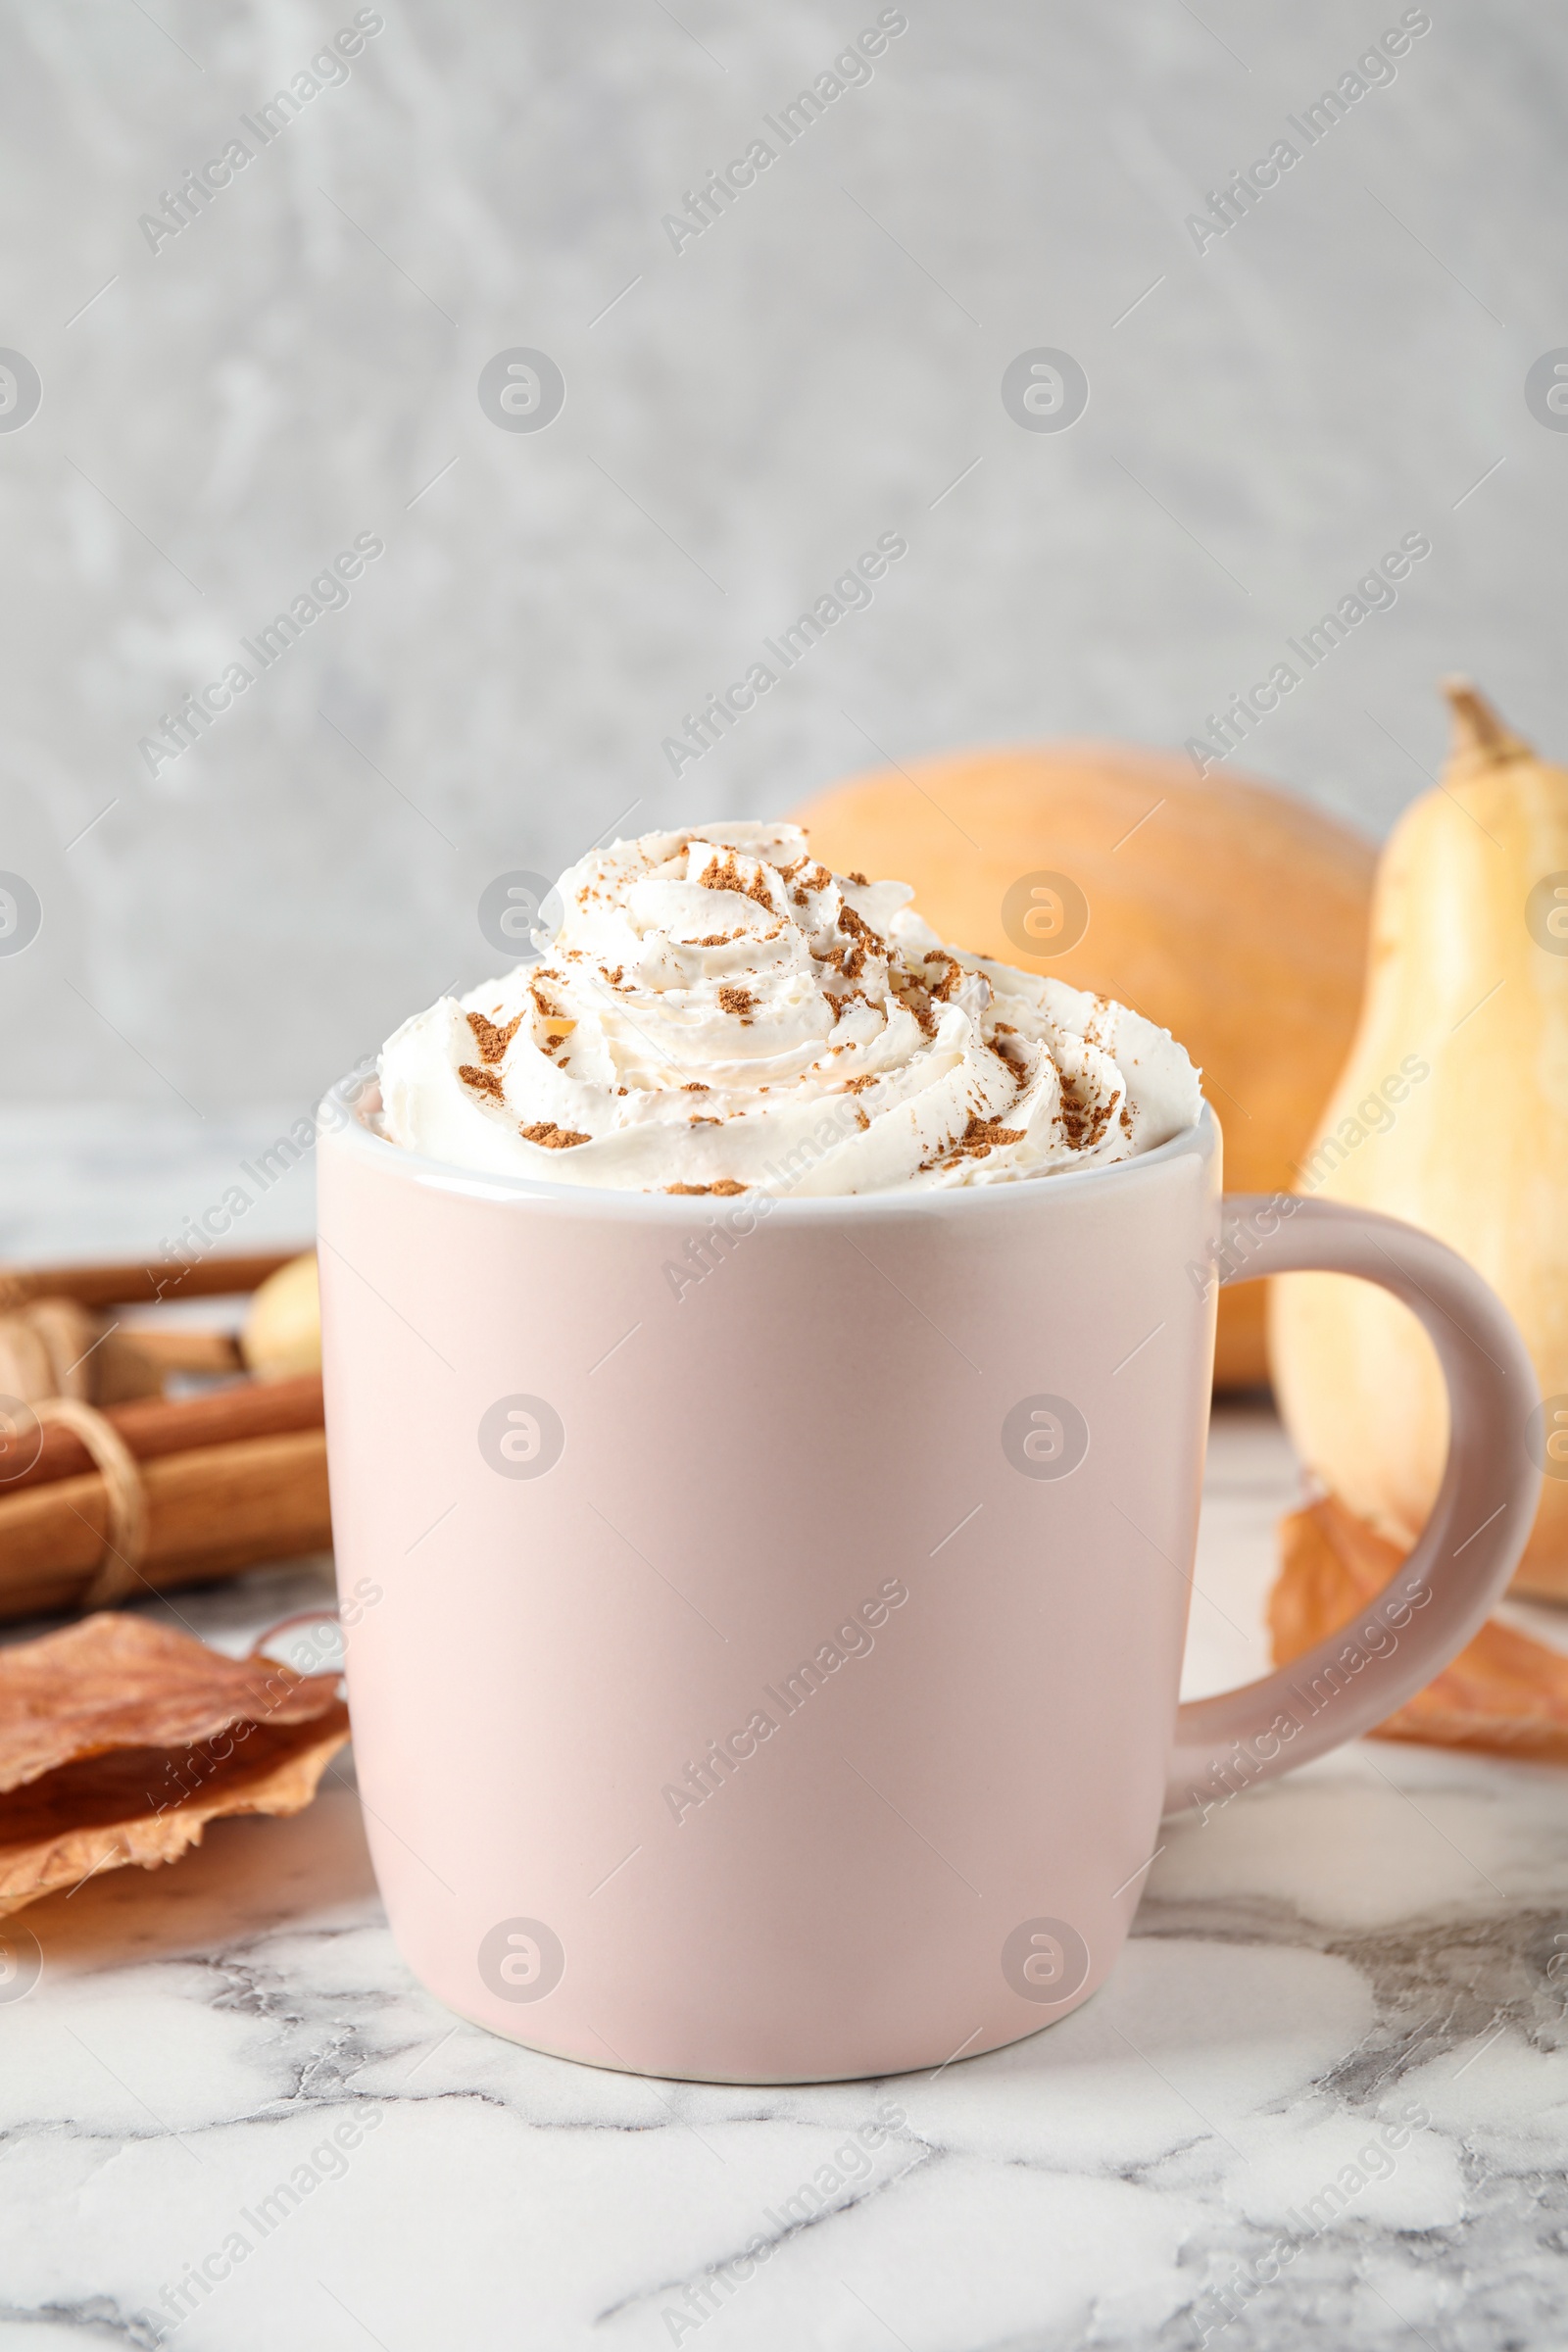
x=719 y=1014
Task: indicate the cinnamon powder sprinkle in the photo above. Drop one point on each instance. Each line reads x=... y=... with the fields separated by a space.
x=483 y=1081
x=735 y=1000
x=552 y=1137
x=952 y=977
x=728 y=876
x=858 y=928
x=1084 y=1128
x=725 y=1185
x=979 y=1137
x=491 y=1041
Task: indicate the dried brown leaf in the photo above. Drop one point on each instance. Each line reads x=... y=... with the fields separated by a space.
x=121 y=1740
x=149 y=1805
x=116 y=1680
x=1504 y=1693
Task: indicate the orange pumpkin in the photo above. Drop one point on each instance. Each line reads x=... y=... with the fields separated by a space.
x=1231 y=914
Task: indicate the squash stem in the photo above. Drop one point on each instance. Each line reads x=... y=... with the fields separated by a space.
x=1479 y=732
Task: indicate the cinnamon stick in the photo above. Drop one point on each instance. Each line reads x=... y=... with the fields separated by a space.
x=211 y=1512
x=140 y=1284
x=179 y=1346
x=154 y=1427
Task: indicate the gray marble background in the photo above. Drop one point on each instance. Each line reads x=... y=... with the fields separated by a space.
x=299 y=364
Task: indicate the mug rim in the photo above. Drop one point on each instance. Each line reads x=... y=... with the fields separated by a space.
x=341 y=1114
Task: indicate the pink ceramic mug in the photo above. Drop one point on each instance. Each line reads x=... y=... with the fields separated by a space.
x=767 y=1615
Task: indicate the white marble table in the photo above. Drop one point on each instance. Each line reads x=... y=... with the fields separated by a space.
x=1322 y=1956
x=1372 y=1934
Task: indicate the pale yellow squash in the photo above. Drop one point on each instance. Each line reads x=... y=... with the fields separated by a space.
x=282 y=1334
x=1468 y=984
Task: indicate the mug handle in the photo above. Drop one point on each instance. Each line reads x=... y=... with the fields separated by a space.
x=1470 y=1545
